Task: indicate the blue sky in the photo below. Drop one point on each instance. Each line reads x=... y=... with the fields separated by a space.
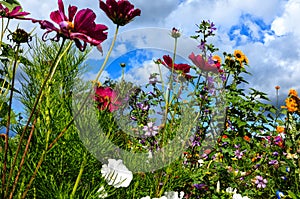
x=266 y=31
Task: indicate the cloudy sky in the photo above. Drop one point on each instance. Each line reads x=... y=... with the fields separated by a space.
x=266 y=31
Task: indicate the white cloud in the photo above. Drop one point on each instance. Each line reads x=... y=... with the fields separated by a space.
x=274 y=62
x=287 y=22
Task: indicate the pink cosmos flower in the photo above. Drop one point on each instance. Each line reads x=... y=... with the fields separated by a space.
x=14 y=14
x=106 y=98
x=78 y=26
x=202 y=64
x=183 y=68
x=120 y=12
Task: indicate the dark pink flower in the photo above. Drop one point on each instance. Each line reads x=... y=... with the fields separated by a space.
x=106 y=98
x=202 y=64
x=78 y=26
x=120 y=12
x=14 y=14
x=183 y=68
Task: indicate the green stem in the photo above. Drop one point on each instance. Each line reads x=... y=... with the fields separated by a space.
x=107 y=55
x=168 y=91
x=8 y=120
x=79 y=175
x=39 y=96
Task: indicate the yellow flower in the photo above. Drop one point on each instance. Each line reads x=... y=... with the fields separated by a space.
x=291 y=104
x=293 y=92
x=217 y=59
x=280 y=129
x=241 y=57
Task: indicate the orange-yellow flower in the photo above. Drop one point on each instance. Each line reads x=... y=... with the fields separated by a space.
x=241 y=57
x=247 y=138
x=280 y=129
x=217 y=59
x=293 y=92
x=291 y=104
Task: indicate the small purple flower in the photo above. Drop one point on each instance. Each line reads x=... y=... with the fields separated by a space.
x=275 y=153
x=150 y=129
x=272 y=162
x=237 y=146
x=201 y=186
x=202 y=46
x=239 y=154
x=260 y=182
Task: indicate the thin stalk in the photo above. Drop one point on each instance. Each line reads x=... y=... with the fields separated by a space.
x=79 y=175
x=94 y=82
x=168 y=91
x=71 y=122
x=8 y=120
x=107 y=55
x=39 y=95
x=23 y=159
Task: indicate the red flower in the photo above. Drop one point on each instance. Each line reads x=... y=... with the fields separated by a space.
x=202 y=64
x=183 y=68
x=121 y=12
x=106 y=98
x=15 y=13
x=77 y=26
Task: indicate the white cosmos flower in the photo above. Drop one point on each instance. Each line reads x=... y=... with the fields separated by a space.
x=231 y=190
x=116 y=173
x=239 y=196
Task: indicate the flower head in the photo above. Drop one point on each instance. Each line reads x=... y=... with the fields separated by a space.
x=120 y=12
x=116 y=173
x=202 y=64
x=106 y=98
x=15 y=13
x=175 y=33
x=78 y=26
x=260 y=182
x=241 y=57
x=150 y=129
x=180 y=68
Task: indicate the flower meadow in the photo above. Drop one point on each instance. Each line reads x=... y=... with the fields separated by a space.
x=195 y=133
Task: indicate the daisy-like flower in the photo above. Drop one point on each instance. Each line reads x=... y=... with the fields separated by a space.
x=120 y=12
x=293 y=92
x=150 y=129
x=78 y=26
x=217 y=60
x=15 y=13
x=240 y=56
x=116 y=173
x=260 y=182
x=204 y=65
x=106 y=98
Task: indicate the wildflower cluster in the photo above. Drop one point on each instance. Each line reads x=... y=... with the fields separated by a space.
x=191 y=133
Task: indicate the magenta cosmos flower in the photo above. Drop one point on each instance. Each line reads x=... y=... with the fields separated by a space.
x=181 y=68
x=202 y=64
x=106 y=98
x=78 y=26
x=120 y=12
x=14 y=14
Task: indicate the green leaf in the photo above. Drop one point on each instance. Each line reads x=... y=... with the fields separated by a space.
x=10 y=4
x=291 y=194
